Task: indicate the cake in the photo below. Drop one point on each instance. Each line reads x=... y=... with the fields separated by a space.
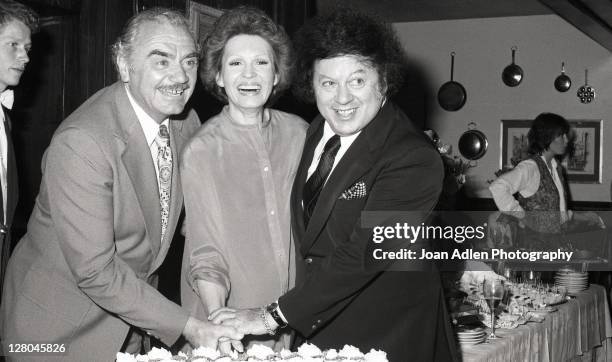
x=305 y=353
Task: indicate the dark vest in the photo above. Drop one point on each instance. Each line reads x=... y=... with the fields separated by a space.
x=542 y=208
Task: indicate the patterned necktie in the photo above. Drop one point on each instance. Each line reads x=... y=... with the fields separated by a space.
x=315 y=183
x=164 y=165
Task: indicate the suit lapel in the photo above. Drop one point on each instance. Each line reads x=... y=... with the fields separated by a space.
x=357 y=160
x=11 y=163
x=314 y=134
x=139 y=165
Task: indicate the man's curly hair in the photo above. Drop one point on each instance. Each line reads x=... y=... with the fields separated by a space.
x=347 y=32
x=246 y=20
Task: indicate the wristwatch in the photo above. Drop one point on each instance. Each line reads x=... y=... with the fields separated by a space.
x=273 y=309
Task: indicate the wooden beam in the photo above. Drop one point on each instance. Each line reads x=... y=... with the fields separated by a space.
x=587 y=17
x=427 y=10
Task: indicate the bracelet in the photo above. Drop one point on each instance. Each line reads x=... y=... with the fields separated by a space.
x=274 y=313
x=262 y=314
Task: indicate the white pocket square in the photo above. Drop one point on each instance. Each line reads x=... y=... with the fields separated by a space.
x=357 y=191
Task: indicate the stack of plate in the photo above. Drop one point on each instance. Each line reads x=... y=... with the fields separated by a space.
x=574 y=281
x=468 y=337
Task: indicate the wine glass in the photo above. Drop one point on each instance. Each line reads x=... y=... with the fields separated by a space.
x=509 y=274
x=493 y=292
x=531 y=278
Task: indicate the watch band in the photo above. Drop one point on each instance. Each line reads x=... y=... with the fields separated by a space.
x=273 y=310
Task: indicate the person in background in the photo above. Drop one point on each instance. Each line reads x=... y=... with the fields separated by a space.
x=237 y=173
x=17 y=23
x=541 y=203
x=362 y=156
x=83 y=276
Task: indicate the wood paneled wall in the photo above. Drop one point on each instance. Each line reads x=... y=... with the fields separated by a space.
x=69 y=61
x=100 y=22
x=289 y=13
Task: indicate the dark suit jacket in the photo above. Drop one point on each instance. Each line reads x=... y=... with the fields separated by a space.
x=342 y=297
x=80 y=274
x=11 y=199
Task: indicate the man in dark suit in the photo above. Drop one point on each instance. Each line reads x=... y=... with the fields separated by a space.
x=110 y=198
x=362 y=158
x=17 y=23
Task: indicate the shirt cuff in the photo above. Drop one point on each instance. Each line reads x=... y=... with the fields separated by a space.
x=280 y=313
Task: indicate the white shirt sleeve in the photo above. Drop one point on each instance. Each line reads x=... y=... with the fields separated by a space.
x=524 y=178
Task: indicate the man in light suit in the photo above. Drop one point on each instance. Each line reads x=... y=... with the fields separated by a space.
x=17 y=23
x=107 y=210
x=362 y=158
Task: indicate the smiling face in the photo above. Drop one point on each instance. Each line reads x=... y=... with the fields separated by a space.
x=161 y=70
x=348 y=93
x=15 y=43
x=247 y=72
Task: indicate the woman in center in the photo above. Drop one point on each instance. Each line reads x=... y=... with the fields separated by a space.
x=237 y=173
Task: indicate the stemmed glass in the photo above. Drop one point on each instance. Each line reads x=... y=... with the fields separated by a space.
x=530 y=276
x=508 y=273
x=493 y=292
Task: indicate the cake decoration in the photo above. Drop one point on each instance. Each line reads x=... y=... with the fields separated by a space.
x=257 y=353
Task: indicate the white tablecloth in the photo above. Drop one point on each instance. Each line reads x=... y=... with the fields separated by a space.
x=580 y=330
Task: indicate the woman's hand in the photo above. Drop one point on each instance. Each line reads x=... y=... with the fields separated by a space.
x=247 y=321
x=500 y=230
x=205 y=333
x=225 y=344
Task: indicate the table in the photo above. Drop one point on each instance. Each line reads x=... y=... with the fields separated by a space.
x=580 y=330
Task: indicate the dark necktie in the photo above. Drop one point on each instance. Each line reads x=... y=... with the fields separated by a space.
x=315 y=183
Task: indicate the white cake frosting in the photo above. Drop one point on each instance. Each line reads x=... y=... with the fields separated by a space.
x=376 y=356
x=309 y=350
x=350 y=352
x=257 y=353
x=331 y=355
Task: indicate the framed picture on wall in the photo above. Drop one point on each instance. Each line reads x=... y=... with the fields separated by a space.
x=584 y=163
x=514 y=143
x=201 y=18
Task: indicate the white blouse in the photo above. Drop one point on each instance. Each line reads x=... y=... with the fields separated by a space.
x=524 y=179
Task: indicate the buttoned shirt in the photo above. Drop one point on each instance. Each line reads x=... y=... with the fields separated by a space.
x=345 y=143
x=6 y=99
x=524 y=179
x=237 y=183
x=150 y=129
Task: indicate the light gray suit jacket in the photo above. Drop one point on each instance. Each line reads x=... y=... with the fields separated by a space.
x=80 y=274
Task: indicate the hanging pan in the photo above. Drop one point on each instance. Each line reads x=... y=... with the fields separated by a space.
x=473 y=144
x=451 y=95
x=586 y=93
x=563 y=82
x=512 y=74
